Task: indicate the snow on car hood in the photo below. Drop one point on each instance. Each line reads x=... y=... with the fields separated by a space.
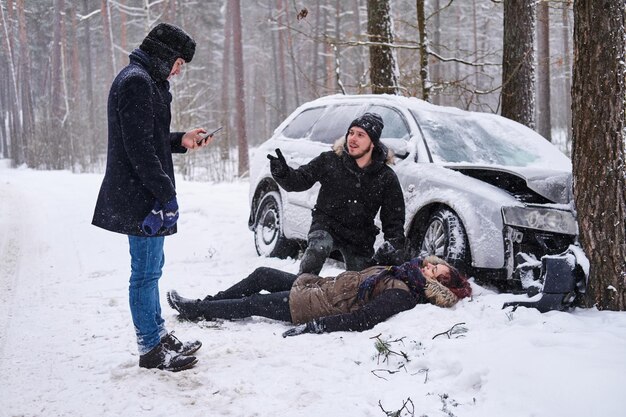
x=553 y=185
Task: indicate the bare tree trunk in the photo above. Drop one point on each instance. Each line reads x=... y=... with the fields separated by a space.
x=518 y=69
x=435 y=69
x=15 y=147
x=598 y=152
x=567 y=63
x=124 y=33
x=54 y=155
x=282 y=72
x=294 y=62
x=239 y=90
x=316 y=49
x=421 y=27
x=226 y=68
x=336 y=48
x=4 y=145
x=329 y=77
x=109 y=56
x=28 y=116
x=383 y=65
x=544 y=124
x=359 y=66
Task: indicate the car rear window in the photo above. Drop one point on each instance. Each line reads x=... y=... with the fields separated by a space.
x=335 y=121
x=300 y=126
x=395 y=125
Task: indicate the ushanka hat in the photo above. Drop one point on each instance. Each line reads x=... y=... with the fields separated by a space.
x=372 y=123
x=165 y=44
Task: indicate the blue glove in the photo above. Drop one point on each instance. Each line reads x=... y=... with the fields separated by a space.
x=170 y=213
x=153 y=221
x=310 y=327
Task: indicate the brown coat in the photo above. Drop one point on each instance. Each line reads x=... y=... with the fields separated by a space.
x=312 y=297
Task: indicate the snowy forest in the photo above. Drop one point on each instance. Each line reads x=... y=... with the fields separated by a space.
x=59 y=58
x=256 y=61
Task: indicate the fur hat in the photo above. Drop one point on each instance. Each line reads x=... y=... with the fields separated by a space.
x=166 y=43
x=372 y=123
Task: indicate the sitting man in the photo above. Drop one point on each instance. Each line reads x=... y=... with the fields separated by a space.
x=352 y=301
x=356 y=183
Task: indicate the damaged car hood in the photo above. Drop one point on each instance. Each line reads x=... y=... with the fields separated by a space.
x=527 y=184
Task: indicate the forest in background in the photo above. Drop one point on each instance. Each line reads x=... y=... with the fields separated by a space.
x=58 y=59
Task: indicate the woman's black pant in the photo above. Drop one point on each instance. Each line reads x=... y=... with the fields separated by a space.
x=244 y=299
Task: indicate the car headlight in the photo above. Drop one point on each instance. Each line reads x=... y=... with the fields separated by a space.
x=549 y=220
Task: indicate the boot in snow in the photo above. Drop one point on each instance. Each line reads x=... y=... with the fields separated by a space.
x=187 y=308
x=166 y=360
x=172 y=343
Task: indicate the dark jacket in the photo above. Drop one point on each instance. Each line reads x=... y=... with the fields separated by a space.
x=139 y=168
x=350 y=197
x=333 y=303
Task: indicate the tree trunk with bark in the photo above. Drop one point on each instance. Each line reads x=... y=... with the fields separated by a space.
x=544 y=125
x=27 y=108
x=421 y=27
x=518 y=68
x=383 y=65
x=240 y=118
x=598 y=152
x=226 y=71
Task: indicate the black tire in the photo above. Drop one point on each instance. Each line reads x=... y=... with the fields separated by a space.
x=444 y=236
x=269 y=238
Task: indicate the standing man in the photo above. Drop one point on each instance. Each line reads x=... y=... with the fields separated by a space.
x=356 y=182
x=138 y=195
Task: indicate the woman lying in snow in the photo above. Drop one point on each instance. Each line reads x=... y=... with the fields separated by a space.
x=351 y=301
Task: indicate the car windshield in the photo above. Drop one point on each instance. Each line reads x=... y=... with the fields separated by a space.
x=485 y=139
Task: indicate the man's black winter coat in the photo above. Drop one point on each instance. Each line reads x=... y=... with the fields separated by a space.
x=139 y=168
x=350 y=197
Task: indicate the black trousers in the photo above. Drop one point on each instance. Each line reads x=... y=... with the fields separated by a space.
x=244 y=299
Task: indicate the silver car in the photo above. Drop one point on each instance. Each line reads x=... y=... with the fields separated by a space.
x=481 y=191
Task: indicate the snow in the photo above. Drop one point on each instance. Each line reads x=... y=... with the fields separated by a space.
x=67 y=346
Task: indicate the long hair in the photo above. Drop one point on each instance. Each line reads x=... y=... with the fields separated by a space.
x=455 y=281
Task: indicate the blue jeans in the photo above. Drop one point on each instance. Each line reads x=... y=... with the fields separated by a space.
x=146 y=262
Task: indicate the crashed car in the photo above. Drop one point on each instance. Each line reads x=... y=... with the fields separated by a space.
x=481 y=191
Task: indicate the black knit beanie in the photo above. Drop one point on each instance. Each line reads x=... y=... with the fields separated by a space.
x=372 y=123
x=166 y=43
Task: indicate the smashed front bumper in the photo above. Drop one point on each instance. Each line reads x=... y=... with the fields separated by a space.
x=563 y=277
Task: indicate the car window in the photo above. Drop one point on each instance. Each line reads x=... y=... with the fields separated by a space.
x=334 y=122
x=395 y=125
x=301 y=124
x=483 y=139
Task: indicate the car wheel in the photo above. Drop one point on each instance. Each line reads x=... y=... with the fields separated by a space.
x=269 y=239
x=444 y=236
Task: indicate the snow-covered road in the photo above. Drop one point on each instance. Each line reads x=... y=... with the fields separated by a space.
x=67 y=345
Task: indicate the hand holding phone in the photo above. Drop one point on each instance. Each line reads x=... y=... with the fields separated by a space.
x=205 y=137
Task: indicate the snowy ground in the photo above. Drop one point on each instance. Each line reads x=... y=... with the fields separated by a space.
x=67 y=345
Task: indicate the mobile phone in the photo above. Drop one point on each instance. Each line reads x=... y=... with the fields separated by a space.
x=209 y=134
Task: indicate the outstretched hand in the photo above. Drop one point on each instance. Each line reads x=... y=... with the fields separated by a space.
x=309 y=327
x=278 y=165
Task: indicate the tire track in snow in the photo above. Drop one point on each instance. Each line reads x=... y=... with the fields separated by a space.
x=11 y=234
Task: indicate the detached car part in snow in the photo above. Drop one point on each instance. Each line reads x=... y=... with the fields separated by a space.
x=563 y=278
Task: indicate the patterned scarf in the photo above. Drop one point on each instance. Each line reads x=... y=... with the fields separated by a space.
x=409 y=273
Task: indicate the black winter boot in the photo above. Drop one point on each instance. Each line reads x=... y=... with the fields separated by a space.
x=166 y=360
x=187 y=308
x=172 y=343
